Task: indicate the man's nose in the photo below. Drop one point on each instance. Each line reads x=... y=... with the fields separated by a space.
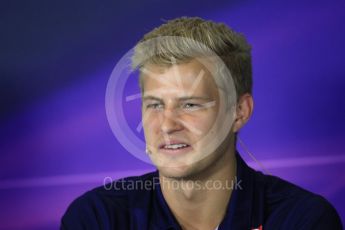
x=170 y=121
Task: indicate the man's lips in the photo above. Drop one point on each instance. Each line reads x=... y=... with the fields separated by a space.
x=183 y=147
x=173 y=142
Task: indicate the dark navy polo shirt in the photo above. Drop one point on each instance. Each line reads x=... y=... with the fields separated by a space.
x=259 y=202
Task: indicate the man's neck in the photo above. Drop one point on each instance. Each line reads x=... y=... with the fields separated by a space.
x=201 y=203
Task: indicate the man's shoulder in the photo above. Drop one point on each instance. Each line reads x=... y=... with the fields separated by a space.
x=110 y=204
x=291 y=204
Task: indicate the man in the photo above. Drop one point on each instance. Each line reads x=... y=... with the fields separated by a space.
x=195 y=79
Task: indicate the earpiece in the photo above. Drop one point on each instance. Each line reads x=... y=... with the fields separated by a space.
x=147 y=151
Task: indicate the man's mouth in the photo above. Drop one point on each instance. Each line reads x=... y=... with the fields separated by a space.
x=176 y=146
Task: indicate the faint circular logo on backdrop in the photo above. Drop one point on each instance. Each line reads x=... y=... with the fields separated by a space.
x=123 y=96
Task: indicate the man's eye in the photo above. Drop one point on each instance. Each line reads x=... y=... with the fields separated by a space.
x=154 y=106
x=191 y=106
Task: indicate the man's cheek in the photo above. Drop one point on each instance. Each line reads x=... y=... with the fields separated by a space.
x=205 y=126
x=150 y=125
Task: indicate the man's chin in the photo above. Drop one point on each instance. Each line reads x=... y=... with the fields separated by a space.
x=183 y=167
x=186 y=172
x=177 y=172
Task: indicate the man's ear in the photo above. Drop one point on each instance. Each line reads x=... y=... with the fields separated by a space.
x=244 y=111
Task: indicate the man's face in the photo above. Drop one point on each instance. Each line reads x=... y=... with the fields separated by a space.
x=180 y=108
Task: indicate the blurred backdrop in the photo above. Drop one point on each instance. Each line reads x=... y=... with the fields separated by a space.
x=55 y=61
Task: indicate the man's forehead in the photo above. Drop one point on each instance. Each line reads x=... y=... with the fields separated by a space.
x=178 y=79
x=183 y=80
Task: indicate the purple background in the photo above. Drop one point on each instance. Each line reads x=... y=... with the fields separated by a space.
x=55 y=61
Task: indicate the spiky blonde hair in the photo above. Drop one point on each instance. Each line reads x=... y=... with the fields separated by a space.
x=218 y=38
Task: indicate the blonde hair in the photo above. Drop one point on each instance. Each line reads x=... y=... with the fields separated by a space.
x=227 y=44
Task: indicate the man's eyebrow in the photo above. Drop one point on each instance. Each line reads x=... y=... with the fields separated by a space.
x=151 y=98
x=194 y=98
